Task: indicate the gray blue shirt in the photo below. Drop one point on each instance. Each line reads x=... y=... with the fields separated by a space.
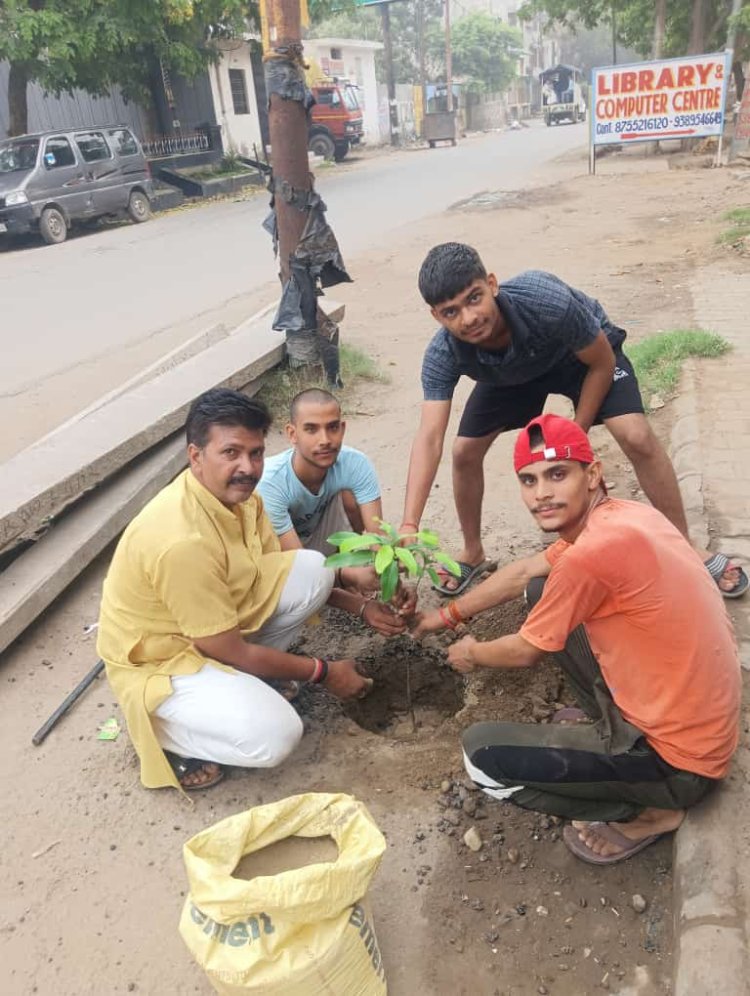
x=290 y=505
x=549 y=322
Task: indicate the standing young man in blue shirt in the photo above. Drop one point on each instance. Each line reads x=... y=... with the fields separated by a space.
x=531 y=337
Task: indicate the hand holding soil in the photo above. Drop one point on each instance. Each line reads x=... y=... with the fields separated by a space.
x=344 y=680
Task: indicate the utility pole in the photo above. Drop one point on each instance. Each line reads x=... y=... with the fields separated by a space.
x=614 y=35
x=385 y=16
x=420 y=36
x=660 y=27
x=309 y=257
x=287 y=121
x=448 y=58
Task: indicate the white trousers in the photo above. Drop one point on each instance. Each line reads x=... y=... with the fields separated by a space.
x=235 y=718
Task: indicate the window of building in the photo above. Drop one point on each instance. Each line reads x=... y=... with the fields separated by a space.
x=93 y=146
x=336 y=53
x=57 y=152
x=123 y=142
x=238 y=84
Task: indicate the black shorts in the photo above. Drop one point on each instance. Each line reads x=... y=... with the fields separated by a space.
x=492 y=408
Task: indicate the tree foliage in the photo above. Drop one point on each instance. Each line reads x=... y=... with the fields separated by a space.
x=634 y=21
x=93 y=44
x=484 y=52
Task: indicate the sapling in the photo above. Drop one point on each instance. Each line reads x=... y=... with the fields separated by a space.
x=416 y=553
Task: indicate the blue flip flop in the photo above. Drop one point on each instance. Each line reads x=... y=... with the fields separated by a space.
x=716 y=567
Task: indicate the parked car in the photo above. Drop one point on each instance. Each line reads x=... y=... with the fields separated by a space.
x=55 y=179
x=335 y=120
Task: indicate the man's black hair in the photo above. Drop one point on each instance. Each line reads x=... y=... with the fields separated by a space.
x=316 y=396
x=447 y=270
x=220 y=406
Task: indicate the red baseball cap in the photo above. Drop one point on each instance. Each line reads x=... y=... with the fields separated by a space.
x=562 y=438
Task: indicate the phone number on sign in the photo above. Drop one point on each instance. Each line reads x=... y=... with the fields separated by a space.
x=693 y=120
x=642 y=124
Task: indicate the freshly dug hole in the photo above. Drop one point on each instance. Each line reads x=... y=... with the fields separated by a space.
x=437 y=692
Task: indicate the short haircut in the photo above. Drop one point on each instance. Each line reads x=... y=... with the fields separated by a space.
x=447 y=270
x=220 y=406
x=314 y=396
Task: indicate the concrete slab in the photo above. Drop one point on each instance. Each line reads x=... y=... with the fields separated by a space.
x=41 y=573
x=44 y=478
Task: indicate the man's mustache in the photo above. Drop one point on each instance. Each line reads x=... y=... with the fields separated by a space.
x=243 y=479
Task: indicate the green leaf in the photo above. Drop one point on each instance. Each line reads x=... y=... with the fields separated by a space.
x=358 y=542
x=448 y=562
x=389 y=581
x=407 y=559
x=434 y=576
x=336 y=539
x=428 y=538
x=383 y=558
x=358 y=558
x=388 y=529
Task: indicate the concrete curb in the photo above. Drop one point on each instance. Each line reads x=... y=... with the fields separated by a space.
x=711 y=894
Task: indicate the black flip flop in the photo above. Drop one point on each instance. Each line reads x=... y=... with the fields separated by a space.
x=183 y=766
x=467 y=575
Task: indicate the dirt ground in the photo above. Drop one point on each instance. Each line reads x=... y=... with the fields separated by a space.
x=91 y=874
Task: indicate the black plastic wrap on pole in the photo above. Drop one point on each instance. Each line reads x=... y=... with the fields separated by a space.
x=316 y=263
x=286 y=78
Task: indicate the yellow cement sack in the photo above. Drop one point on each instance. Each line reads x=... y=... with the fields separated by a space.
x=301 y=932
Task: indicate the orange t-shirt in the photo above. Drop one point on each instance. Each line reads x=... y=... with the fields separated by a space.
x=657 y=626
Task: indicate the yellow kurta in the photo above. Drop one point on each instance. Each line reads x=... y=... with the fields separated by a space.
x=186 y=567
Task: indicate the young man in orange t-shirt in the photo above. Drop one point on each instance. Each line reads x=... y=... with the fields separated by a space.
x=626 y=607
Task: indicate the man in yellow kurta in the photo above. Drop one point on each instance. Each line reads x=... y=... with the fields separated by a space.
x=200 y=605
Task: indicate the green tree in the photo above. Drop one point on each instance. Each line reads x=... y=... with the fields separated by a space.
x=484 y=51
x=366 y=23
x=94 y=44
x=698 y=25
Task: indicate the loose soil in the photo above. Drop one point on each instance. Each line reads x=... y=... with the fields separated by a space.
x=286 y=855
x=92 y=876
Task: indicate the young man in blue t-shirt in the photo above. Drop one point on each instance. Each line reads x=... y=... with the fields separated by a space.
x=532 y=336
x=319 y=487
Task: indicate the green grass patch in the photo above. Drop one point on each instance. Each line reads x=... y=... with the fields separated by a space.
x=658 y=359
x=284 y=382
x=740 y=227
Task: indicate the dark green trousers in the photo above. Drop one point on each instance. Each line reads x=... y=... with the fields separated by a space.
x=603 y=770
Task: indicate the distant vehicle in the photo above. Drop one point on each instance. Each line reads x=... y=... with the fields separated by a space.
x=53 y=180
x=563 y=95
x=335 y=120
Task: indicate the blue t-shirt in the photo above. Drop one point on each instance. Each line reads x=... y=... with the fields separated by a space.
x=549 y=323
x=291 y=506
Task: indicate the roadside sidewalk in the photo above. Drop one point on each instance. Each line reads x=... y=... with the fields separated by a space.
x=711 y=448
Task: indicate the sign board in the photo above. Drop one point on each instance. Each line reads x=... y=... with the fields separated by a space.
x=671 y=98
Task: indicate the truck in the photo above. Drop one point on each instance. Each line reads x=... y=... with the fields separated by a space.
x=563 y=96
x=335 y=119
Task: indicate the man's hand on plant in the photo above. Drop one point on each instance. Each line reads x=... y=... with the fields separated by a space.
x=424 y=623
x=405 y=600
x=383 y=618
x=345 y=682
x=461 y=655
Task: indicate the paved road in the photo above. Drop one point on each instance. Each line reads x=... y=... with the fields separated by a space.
x=81 y=318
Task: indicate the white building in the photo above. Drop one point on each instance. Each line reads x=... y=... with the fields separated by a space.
x=353 y=60
x=235 y=103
